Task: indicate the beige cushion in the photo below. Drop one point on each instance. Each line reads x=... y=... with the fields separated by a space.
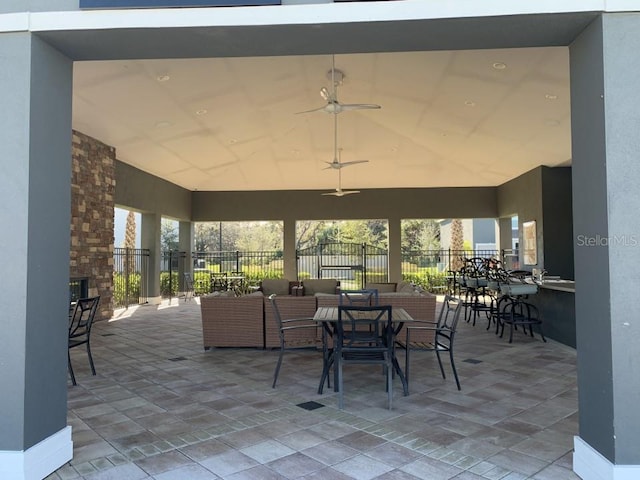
x=405 y=287
x=279 y=286
x=387 y=287
x=319 y=285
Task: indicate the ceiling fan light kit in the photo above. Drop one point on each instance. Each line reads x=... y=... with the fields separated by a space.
x=334 y=107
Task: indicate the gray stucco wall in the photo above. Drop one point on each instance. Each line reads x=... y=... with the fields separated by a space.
x=311 y=205
x=544 y=195
x=558 y=221
x=522 y=196
x=146 y=193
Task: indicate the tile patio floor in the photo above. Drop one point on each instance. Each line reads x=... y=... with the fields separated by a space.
x=163 y=408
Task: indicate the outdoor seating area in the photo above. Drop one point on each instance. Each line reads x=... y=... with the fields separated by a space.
x=229 y=320
x=500 y=296
x=161 y=407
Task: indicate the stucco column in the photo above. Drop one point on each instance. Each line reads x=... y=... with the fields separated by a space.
x=35 y=206
x=150 y=239
x=185 y=244
x=290 y=260
x=605 y=114
x=395 y=250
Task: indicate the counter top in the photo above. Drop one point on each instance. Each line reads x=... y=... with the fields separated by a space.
x=559 y=285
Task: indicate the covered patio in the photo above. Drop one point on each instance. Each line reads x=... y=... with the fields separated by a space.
x=161 y=407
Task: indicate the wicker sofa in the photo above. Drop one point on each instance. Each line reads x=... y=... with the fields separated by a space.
x=248 y=320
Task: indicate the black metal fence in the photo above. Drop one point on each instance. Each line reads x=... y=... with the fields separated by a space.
x=254 y=265
x=354 y=264
x=130 y=276
x=172 y=269
x=429 y=268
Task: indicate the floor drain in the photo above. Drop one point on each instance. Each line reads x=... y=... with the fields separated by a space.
x=472 y=360
x=310 y=405
x=177 y=359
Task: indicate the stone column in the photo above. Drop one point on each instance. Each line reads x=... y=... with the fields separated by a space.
x=35 y=196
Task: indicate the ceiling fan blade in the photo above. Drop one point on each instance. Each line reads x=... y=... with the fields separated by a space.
x=341 y=193
x=336 y=165
x=353 y=162
x=359 y=106
x=324 y=93
x=319 y=109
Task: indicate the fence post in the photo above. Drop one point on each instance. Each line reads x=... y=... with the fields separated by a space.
x=363 y=259
x=127 y=271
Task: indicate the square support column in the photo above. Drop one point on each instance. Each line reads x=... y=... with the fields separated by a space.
x=605 y=115
x=150 y=239
x=35 y=207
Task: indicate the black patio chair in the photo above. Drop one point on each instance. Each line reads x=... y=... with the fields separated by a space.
x=188 y=287
x=519 y=313
x=364 y=335
x=444 y=331
x=366 y=297
x=219 y=282
x=80 y=323
x=289 y=332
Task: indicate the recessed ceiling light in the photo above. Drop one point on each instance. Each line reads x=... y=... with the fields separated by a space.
x=163 y=78
x=470 y=103
x=499 y=65
x=202 y=111
x=551 y=96
x=163 y=124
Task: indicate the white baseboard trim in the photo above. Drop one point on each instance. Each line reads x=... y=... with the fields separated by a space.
x=589 y=464
x=40 y=460
x=154 y=300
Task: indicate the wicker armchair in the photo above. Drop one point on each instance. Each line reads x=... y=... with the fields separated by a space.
x=229 y=321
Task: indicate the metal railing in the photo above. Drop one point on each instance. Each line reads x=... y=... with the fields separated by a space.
x=255 y=266
x=130 y=276
x=429 y=268
x=354 y=264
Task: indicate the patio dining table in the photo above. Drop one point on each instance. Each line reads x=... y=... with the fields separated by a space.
x=328 y=318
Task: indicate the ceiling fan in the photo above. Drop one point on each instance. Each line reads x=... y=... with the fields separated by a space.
x=339 y=191
x=337 y=164
x=331 y=97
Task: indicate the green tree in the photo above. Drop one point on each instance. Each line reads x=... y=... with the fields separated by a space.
x=420 y=234
x=457 y=245
x=130 y=231
x=168 y=234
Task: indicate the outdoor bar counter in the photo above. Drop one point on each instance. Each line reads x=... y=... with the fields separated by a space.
x=556 y=301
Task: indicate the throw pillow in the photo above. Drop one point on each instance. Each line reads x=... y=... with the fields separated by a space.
x=320 y=285
x=279 y=286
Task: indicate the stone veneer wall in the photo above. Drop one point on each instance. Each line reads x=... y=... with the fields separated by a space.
x=92 y=213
